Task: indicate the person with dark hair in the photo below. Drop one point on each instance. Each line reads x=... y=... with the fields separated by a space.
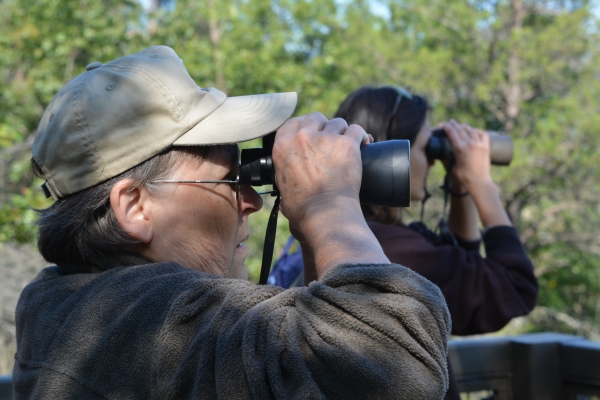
x=149 y=297
x=483 y=293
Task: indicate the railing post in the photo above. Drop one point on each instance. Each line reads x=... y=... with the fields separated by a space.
x=6 y=389
x=580 y=367
x=483 y=364
x=536 y=363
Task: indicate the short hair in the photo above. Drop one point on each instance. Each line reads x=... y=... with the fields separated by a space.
x=80 y=232
x=371 y=108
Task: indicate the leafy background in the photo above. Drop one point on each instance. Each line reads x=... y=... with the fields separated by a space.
x=525 y=67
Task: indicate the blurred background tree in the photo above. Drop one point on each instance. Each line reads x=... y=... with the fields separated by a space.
x=528 y=68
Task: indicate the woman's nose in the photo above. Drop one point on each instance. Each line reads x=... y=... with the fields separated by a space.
x=249 y=201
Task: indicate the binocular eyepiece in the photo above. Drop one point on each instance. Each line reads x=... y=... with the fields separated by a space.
x=440 y=148
x=385 y=176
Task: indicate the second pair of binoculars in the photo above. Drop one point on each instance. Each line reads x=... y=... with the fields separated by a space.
x=440 y=148
x=386 y=165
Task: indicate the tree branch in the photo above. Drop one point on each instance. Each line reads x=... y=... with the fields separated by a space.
x=582 y=327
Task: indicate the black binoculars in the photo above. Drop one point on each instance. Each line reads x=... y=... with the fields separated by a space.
x=440 y=148
x=385 y=176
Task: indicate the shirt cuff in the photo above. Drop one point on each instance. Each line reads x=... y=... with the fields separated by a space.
x=468 y=245
x=503 y=238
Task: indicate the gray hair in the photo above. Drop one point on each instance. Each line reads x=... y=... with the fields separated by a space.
x=80 y=233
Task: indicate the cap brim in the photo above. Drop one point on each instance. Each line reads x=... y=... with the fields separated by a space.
x=241 y=118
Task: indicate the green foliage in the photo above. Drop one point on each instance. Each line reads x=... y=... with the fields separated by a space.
x=526 y=68
x=17 y=215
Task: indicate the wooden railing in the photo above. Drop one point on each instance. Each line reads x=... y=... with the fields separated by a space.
x=528 y=367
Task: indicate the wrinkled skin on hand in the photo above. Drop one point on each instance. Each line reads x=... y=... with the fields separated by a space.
x=318 y=170
x=317 y=162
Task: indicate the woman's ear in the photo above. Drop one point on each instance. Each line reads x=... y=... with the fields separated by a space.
x=131 y=208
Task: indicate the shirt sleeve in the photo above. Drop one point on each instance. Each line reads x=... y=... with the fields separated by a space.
x=483 y=293
x=364 y=331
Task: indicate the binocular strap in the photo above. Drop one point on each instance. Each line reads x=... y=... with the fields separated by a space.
x=444 y=230
x=269 y=242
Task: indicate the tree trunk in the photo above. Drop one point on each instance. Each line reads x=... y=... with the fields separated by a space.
x=215 y=38
x=513 y=91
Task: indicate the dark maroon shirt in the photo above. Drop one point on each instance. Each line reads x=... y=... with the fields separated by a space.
x=483 y=293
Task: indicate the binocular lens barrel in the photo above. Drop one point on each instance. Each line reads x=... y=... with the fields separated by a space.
x=385 y=178
x=256 y=167
x=440 y=148
x=386 y=173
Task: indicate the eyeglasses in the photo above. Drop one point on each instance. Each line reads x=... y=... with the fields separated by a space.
x=402 y=93
x=229 y=181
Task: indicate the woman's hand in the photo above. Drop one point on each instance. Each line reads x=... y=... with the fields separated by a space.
x=471 y=172
x=472 y=150
x=318 y=171
x=317 y=165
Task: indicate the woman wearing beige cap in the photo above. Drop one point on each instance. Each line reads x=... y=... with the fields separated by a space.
x=148 y=297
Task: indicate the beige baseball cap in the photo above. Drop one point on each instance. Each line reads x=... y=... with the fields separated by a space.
x=115 y=116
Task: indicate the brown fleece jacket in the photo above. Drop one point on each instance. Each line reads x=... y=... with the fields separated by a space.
x=163 y=331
